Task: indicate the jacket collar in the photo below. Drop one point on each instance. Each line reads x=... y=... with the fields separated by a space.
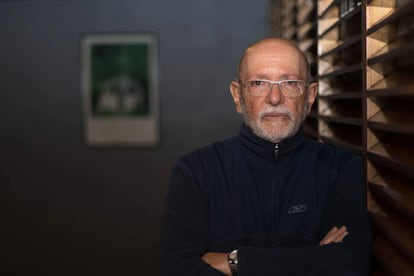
x=265 y=148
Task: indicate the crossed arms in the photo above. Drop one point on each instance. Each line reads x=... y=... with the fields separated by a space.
x=219 y=260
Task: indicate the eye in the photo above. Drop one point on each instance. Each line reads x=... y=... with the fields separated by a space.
x=256 y=83
x=292 y=83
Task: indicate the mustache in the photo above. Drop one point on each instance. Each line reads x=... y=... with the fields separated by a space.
x=278 y=110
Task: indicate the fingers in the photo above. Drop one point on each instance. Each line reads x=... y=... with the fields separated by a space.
x=205 y=257
x=218 y=261
x=334 y=235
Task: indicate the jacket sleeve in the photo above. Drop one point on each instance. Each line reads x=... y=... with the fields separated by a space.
x=184 y=233
x=346 y=205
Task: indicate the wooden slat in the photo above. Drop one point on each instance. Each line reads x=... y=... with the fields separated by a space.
x=341 y=143
x=392 y=51
x=342 y=70
x=391 y=259
x=390 y=127
x=396 y=121
x=395 y=228
x=397 y=165
x=325 y=25
x=387 y=77
x=377 y=11
x=342 y=96
x=304 y=30
x=397 y=152
x=345 y=135
x=306 y=44
x=327 y=44
x=386 y=15
x=287 y=22
x=289 y=33
x=380 y=76
x=379 y=40
x=331 y=86
x=287 y=10
x=342 y=120
x=403 y=92
x=346 y=108
x=305 y=12
x=391 y=114
x=325 y=28
x=341 y=46
x=325 y=6
x=395 y=191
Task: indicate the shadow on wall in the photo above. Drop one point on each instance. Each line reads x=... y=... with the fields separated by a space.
x=98 y=229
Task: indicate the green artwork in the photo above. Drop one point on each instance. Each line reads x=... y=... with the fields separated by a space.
x=120 y=89
x=120 y=80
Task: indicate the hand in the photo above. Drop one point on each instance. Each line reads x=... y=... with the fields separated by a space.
x=218 y=261
x=335 y=235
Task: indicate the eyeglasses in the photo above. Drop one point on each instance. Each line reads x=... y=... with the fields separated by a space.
x=289 y=88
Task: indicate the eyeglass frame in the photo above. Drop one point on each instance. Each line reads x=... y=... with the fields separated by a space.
x=306 y=84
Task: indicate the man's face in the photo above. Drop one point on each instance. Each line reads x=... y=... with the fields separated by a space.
x=273 y=116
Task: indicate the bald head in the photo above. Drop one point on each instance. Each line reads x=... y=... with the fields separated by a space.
x=273 y=47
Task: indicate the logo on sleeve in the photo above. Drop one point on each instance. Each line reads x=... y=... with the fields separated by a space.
x=297 y=209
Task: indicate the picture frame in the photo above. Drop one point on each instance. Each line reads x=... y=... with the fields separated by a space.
x=119 y=74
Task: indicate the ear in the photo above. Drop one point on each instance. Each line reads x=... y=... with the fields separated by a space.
x=312 y=93
x=235 y=93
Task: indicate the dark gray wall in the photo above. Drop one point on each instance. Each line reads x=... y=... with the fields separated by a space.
x=67 y=209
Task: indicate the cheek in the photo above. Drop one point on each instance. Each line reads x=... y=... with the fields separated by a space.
x=297 y=109
x=253 y=107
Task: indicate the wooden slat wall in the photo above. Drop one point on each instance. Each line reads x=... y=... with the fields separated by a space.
x=365 y=69
x=390 y=132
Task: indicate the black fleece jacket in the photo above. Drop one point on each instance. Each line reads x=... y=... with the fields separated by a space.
x=273 y=202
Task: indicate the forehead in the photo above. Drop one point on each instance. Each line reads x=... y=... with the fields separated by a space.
x=273 y=60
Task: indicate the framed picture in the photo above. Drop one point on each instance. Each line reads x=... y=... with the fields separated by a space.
x=120 y=89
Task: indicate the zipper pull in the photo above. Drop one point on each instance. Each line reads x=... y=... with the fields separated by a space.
x=276 y=151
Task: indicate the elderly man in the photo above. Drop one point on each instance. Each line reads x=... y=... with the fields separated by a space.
x=268 y=201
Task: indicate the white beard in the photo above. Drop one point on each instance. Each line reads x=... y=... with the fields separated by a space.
x=279 y=134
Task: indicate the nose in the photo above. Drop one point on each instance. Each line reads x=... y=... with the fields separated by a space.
x=275 y=96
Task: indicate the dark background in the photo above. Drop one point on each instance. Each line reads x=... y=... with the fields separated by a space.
x=66 y=209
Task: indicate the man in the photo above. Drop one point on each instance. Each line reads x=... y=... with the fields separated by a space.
x=268 y=201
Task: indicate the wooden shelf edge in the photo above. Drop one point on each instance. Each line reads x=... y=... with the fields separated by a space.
x=342 y=96
x=390 y=163
x=406 y=49
x=391 y=92
x=390 y=259
x=393 y=198
x=341 y=20
x=397 y=231
x=328 y=8
x=306 y=16
x=302 y=35
x=341 y=120
x=341 y=71
x=401 y=11
x=355 y=148
x=306 y=44
x=345 y=44
x=390 y=127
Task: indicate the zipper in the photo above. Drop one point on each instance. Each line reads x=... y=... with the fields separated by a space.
x=276 y=152
x=275 y=157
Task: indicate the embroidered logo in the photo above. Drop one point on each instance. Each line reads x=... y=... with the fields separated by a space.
x=297 y=209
